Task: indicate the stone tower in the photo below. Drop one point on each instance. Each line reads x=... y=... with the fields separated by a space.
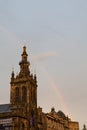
x=23 y=96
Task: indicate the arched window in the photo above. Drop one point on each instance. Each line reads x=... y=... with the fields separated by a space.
x=24 y=94
x=17 y=94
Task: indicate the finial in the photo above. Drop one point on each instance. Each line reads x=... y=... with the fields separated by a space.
x=24 y=48
x=24 y=51
x=52 y=109
x=12 y=75
x=35 y=77
x=84 y=126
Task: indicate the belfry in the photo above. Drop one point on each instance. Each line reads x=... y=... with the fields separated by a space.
x=24 y=95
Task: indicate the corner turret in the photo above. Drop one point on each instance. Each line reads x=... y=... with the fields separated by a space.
x=12 y=76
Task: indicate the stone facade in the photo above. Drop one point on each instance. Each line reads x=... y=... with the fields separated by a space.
x=55 y=121
x=22 y=112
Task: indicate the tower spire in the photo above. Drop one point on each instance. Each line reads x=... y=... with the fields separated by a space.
x=24 y=51
x=24 y=64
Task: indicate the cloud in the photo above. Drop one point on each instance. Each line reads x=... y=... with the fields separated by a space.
x=44 y=56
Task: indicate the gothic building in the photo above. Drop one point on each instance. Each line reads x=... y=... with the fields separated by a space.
x=22 y=112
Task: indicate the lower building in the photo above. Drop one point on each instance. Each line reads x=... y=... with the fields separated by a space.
x=22 y=112
x=55 y=121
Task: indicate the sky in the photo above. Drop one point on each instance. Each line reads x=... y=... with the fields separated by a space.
x=54 y=32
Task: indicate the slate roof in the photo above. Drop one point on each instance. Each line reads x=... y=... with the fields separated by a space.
x=5 y=108
x=61 y=114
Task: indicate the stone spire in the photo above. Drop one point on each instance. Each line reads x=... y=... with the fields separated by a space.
x=24 y=64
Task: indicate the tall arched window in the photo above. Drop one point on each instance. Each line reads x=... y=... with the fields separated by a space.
x=16 y=94
x=24 y=94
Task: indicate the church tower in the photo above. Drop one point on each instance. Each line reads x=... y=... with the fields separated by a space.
x=23 y=96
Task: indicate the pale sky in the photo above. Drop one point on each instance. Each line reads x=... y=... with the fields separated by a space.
x=54 y=32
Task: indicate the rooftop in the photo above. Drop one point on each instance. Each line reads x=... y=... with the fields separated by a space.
x=5 y=108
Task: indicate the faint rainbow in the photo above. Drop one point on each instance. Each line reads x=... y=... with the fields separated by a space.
x=57 y=91
x=53 y=85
